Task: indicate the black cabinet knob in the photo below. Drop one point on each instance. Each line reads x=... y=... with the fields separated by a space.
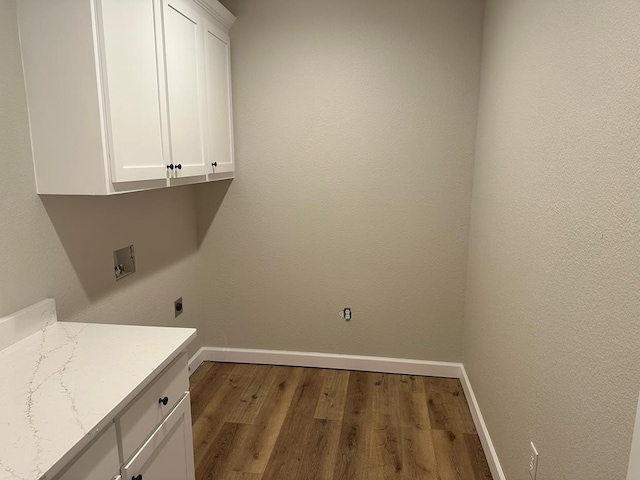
x=137 y=477
x=170 y=166
x=214 y=164
x=179 y=166
x=164 y=400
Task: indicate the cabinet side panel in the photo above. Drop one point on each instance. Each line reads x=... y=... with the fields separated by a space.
x=59 y=64
x=100 y=460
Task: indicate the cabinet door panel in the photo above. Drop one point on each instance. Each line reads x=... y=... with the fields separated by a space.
x=185 y=87
x=219 y=116
x=168 y=453
x=132 y=89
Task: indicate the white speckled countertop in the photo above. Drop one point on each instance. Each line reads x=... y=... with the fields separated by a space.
x=63 y=384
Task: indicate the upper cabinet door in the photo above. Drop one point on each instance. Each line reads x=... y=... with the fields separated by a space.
x=219 y=112
x=183 y=32
x=133 y=89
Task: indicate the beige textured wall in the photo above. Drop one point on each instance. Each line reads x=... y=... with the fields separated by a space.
x=355 y=124
x=552 y=326
x=62 y=247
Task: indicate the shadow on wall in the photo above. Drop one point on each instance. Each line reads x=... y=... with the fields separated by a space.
x=209 y=199
x=159 y=223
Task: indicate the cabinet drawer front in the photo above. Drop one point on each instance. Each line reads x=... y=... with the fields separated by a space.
x=146 y=412
x=168 y=453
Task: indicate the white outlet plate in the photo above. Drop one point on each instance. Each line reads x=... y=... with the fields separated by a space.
x=533 y=462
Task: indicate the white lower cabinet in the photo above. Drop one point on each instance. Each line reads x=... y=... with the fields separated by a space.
x=150 y=439
x=168 y=453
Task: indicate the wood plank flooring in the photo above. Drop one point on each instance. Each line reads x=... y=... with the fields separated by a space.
x=257 y=422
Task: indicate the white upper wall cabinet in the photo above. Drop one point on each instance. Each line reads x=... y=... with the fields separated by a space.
x=126 y=95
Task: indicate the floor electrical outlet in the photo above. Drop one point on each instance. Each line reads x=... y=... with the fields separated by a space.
x=347 y=314
x=533 y=462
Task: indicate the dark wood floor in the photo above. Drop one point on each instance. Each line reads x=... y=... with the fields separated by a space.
x=281 y=423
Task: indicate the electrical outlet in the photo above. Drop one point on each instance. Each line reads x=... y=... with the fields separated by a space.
x=533 y=462
x=178 y=307
x=347 y=314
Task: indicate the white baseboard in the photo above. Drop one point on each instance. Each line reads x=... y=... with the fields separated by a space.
x=326 y=360
x=481 y=427
x=364 y=363
x=633 y=471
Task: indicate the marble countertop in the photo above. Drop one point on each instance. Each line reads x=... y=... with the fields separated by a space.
x=63 y=384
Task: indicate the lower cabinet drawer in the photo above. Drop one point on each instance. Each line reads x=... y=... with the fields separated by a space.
x=149 y=409
x=168 y=453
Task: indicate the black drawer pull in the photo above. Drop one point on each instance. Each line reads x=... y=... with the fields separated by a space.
x=137 y=477
x=163 y=401
x=170 y=167
x=214 y=164
x=179 y=166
